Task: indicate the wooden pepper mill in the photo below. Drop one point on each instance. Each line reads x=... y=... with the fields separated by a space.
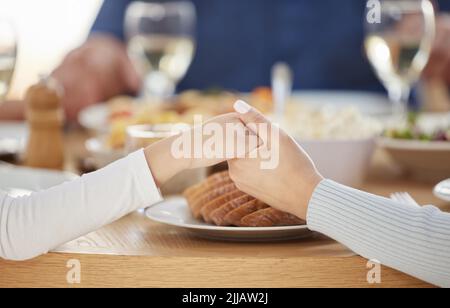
x=45 y=119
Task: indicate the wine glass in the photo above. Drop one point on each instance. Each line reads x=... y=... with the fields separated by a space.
x=141 y=136
x=398 y=43
x=161 y=43
x=8 y=51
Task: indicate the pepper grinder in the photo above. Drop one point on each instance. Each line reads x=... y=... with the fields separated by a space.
x=45 y=119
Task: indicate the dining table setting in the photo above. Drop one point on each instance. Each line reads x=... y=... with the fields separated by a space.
x=205 y=232
x=136 y=251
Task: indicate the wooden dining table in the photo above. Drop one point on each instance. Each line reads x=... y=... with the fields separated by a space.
x=136 y=252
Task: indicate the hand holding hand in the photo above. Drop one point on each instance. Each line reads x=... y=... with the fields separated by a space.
x=202 y=146
x=289 y=185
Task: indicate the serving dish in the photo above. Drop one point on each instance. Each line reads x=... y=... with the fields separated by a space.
x=420 y=145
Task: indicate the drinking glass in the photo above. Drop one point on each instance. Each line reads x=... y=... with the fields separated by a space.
x=398 y=43
x=141 y=136
x=161 y=43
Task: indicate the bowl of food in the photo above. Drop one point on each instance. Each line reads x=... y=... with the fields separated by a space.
x=420 y=145
x=341 y=141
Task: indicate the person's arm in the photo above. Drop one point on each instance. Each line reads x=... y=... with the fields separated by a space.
x=35 y=224
x=413 y=240
x=32 y=225
x=95 y=72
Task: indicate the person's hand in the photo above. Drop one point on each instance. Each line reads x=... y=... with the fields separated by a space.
x=95 y=72
x=202 y=146
x=289 y=185
x=438 y=66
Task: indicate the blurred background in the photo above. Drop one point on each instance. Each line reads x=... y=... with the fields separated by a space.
x=42 y=44
x=122 y=72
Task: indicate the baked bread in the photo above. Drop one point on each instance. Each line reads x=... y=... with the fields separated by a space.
x=218 y=201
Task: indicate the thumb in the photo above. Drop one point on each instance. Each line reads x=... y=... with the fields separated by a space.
x=248 y=114
x=255 y=121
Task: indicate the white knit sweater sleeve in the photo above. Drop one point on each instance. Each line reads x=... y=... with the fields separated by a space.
x=413 y=240
x=33 y=225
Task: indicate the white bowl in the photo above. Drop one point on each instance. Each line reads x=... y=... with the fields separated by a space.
x=344 y=161
x=423 y=160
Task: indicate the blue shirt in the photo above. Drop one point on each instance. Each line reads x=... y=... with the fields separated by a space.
x=238 y=41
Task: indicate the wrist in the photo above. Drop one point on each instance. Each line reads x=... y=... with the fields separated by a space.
x=162 y=163
x=306 y=195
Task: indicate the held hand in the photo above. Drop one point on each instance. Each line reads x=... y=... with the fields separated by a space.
x=95 y=72
x=290 y=184
x=215 y=141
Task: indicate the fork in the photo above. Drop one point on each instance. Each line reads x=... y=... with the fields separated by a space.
x=405 y=198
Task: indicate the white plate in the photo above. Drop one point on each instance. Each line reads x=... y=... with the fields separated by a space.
x=442 y=190
x=95 y=117
x=20 y=181
x=175 y=212
x=425 y=161
x=13 y=137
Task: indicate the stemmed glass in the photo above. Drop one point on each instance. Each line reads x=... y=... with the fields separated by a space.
x=399 y=39
x=8 y=52
x=161 y=43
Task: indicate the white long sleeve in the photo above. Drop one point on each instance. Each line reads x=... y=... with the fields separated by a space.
x=415 y=241
x=33 y=225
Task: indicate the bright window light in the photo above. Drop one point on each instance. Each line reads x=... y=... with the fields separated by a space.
x=47 y=30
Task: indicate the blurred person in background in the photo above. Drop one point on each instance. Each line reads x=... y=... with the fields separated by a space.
x=237 y=44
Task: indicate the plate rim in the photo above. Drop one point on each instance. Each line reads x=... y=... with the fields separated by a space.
x=217 y=228
x=413 y=145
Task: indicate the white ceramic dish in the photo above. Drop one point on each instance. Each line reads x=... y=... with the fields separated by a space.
x=428 y=161
x=344 y=161
x=20 y=181
x=13 y=136
x=175 y=212
x=424 y=160
x=95 y=118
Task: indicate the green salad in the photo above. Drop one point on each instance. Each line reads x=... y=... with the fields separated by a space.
x=413 y=131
